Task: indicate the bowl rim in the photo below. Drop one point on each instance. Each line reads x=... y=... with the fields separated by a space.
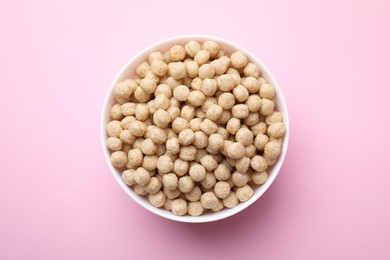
x=226 y=212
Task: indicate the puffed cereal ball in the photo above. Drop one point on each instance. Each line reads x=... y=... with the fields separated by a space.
x=276 y=116
x=209 y=87
x=276 y=130
x=226 y=82
x=197 y=172
x=161 y=118
x=244 y=193
x=208 y=102
x=179 y=124
x=252 y=119
x=195 y=124
x=251 y=70
x=148 y=85
x=173 y=112
x=240 y=93
x=119 y=159
x=161 y=102
x=181 y=92
x=159 y=67
x=128 y=177
x=272 y=150
x=170 y=181
x=177 y=70
x=128 y=109
x=196 y=83
x=244 y=136
x=157 y=199
x=215 y=142
x=164 y=164
x=206 y=71
x=142 y=69
x=212 y=47
x=236 y=150
x=214 y=112
x=267 y=107
x=208 y=162
x=192 y=48
x=123 y=89
x=150 y=162
x=177 y=53
x=196 y=98
x=116 y=112
x=186 y=184
x=239 y=59
x=156 y=55
x=140 y=190
x=186 y=137
x=208 y=126
x=148 y=147
x=242 y=165
x=135 y=157
x=267 y=91
x=208 y=200
x=137 y=128
x=187 y=112
x=141 y=176
x=192 y=69
x=173 y=146
x=180 y=167
x=200 y=140
x=167 y=204
x=226 y=101
x=195 y=209
x=171 y=194
x=219 y=66
x=240 y=111
x=187 y=153
x=114 y=144
x=179 y=207
x=209 y=181
x=251 y=84
x=202 y=57
x=194 y=194
x=258 y=163
x=240 y=179
x=222 y=189
x=259 y=178
x=222 y=172
x=233 y=125
x=157 y=135
x=231 y=200
x=114 y=128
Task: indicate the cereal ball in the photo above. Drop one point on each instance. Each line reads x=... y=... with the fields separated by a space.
x=187 y=153
x=226 y=144
x=141 y=96
x=116 y=112
x=164 y=164
x=208 y=162
x=142 y=69
x=192 y=68
x=170 y=133
x=163 y=89
x=137 y=128
x=214 y=112
x=195 y=124
x=196 y=98
x=222 y=172
x=195 y=208
x=161 y=150
x=157 y=135
x=244 y=136
x=161 y=102
x=212 y=47
x=199 y=154
x=231 y=200
x=168 y=204
x=180 y=167
x=239 y=59
x=186 y=137
x=242 y=165
x=219 y=207
x=222 y=189
x=244 y=193
x=240 y=179
x=267 y=91
x=260 y=141
x=128 y=109
x=140 y=190
x=267 y=107
x=157 y=199
x=125 y=122
x=173 y=146
x=159 y=67
x=240 y=93
x=200 y=140
x=251 y=84
x=276 y=130
x=119 y=159
x=192 y=48
x=259 y=128
x=254 y=103
x=259 y=178
x=141 y=112
x=219 y=67
x=114 y=143
x=233 y=125
x=150 y=106
x=170 y=181
x=171 y=194
x=186 y=184
x=138 y=143
x=150 y=162
x=173 y=112
x=206 y=71
x=126 y=137
x=209 y=200
x=202 y=57
x=209 y=101
x=141 y=176
x=270 y=161
x=200 y=114
x=177 y=70
x=209 y=181
x=215 y=142
x=197 y=172
x=179 y=124
x=196 y=83
x=177 y=53
x=209 y=87
x=181 y=92
x=161 y=118
x=156 y=55
x=148 y=85
x=187 y=112
x=226 y=101
x=258 y=163
x=148 y=147
x=208 y=126
x=240 y=111
x=236 y=150
x=276 y=116
x=194 y=194
x=123 y=89
x=128 y=177
x=226 y=82
x=152 y=76
x=252 y=119
x=251 y=70
x=272 y=150
x=179 y=207
x=172 y=82
x=114 y=128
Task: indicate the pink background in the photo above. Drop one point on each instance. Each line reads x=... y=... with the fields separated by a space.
x=58 y=199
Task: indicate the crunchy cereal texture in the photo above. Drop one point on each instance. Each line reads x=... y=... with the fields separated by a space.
x=195 y=128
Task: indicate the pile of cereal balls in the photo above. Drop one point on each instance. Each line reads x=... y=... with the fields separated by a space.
x=195 y=129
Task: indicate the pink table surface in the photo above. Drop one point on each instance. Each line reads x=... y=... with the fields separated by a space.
x=59 y=200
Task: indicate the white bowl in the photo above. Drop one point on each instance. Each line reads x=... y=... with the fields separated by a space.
x=129 y=70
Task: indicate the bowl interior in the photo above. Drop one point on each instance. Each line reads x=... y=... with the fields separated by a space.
x=129 y=71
